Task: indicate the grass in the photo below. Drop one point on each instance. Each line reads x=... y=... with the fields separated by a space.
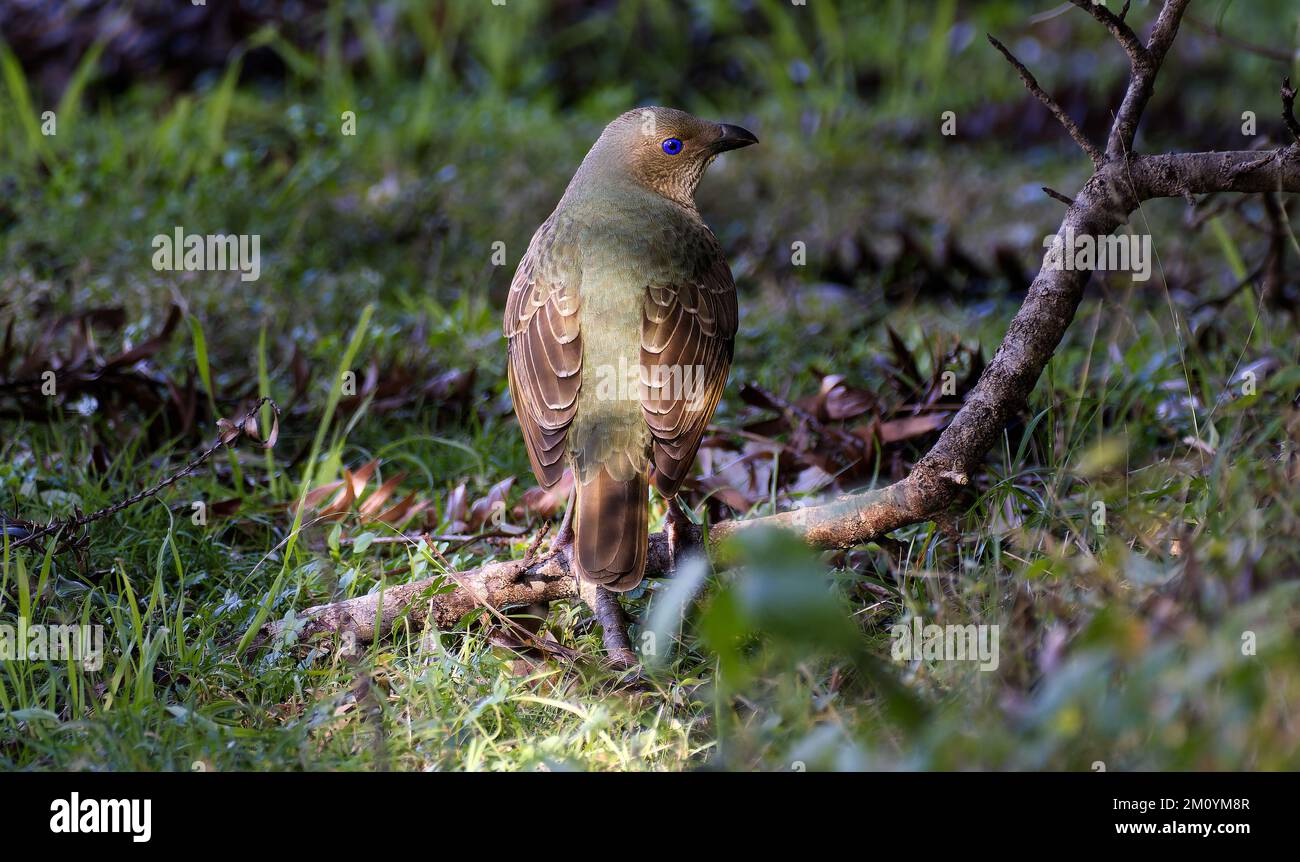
x=1122 y=641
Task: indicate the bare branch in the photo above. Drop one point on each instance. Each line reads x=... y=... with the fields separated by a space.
x=494 y=585
x=843 y=523
x=1275 y=54
x=1145 y=65
x=228 y=433
x=1057 y=111
x=1053 y=193
x=1165 y=31
x=1288 y=108
x=1122 y=32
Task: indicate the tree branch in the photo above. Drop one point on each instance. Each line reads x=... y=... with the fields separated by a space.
x=1054 y=194
x=1288 y=108
x=1122 y=32
x=1056 y=110
x=1144 y=64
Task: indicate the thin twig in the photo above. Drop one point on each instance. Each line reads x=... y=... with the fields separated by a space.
x=1288 y=108
x=1122 y=32
x=1056 y=110
x=1053 y=193
x=1224 y=298
x=512 y=625
x=230 y=432
x=1237 y=42
x=1255 y=164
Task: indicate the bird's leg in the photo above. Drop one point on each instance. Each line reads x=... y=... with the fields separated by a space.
x=609 y=614
x=680 y=529
x=564 y=537
x=604 y=604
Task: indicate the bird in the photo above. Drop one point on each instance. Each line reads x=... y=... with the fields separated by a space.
x=620 y=326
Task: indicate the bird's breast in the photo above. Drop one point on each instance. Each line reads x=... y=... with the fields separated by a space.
x=608 y=426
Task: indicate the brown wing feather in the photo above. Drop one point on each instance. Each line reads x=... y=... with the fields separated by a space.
x=687 y=334
x=545 y=347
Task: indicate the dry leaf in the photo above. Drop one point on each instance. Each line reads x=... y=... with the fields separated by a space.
x=543 y=503
x=380 y=496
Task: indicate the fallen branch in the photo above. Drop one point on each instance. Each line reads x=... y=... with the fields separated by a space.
x=28 y=533
x=1116 y=188
x=839 y=524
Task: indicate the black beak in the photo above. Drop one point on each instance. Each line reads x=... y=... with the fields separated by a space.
x=732 y=138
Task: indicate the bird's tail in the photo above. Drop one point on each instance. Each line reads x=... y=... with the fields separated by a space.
x=610 y=522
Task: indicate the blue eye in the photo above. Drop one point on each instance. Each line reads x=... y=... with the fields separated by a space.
x=672 y=146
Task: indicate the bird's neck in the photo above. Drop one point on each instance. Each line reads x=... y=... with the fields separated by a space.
x=609 y=193
x=605 y=175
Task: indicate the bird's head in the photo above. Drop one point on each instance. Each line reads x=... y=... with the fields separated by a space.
x=663 y=149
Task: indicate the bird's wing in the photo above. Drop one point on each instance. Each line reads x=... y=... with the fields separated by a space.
x=688 y=329
x=545 y=347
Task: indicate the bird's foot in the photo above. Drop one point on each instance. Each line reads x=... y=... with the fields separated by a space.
x=609 y=614
x=563 y=541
